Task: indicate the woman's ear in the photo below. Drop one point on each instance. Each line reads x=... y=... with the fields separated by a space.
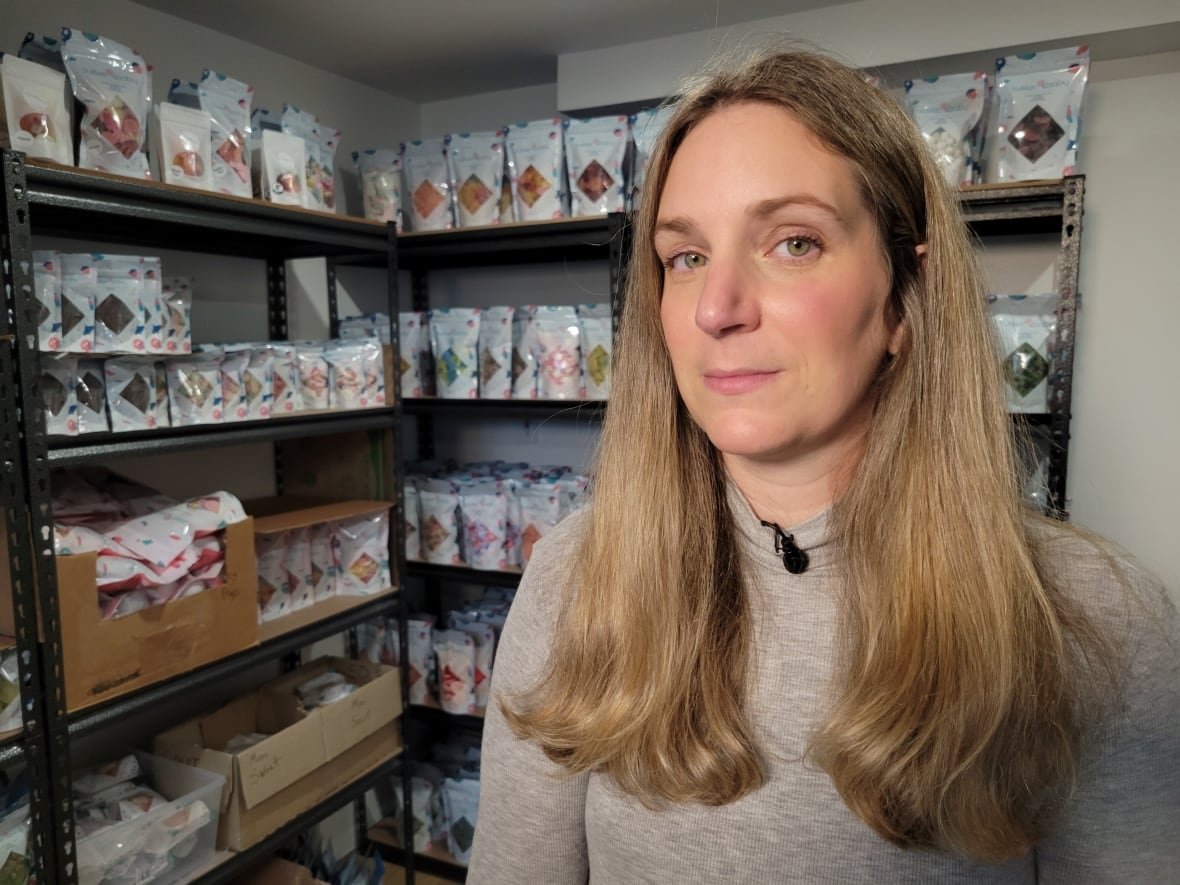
x=922 y=249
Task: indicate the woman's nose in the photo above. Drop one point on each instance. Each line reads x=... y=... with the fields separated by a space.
x=726 y=303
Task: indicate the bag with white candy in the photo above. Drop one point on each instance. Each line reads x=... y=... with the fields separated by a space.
x=1040 y=112
x=380 y=172
x=558 y=350
x=594 y=151
x=428 y=183
x=949 y=114
x=536 y=167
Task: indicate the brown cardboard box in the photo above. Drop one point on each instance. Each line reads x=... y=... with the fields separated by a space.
x=286 y=512
x=354 y=465
x=105 y=659
x=350 y=720
x=275 y=780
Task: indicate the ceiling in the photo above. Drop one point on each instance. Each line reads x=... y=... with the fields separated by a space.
x=430 y=50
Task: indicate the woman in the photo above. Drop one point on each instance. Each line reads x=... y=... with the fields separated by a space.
x=806 y=631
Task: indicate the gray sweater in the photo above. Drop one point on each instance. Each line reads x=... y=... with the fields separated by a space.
x=539 y=825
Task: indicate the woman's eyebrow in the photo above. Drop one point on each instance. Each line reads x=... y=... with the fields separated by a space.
x=766 y=208
x=673 y=225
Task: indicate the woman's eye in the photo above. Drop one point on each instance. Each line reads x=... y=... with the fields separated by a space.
x=798 y=247
x=687 y=261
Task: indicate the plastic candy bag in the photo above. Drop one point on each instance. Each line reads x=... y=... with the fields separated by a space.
x=557 y=337
x=540 y=511
x=274 y=598
x=380 y=173
x=461 y=801
x=485 y=646
x=597 y=348
x=118 y=309
x=280 y=168
x=439 y=523
x=33 y=113
x=454 y=338
x=949 y=112
x=535 y=165
x=485 y=525
x=1040 y=112
x=329 y=140
x=155 y=316
x=177 y=293
x=181 y=146
x=477 y=160
x=194 y=389
x=115 y=85
x=594 y=151
x=227 y=102
x=324 y=568
x=91 y=393
x=297 y=564
x=131 y=393
x=286 y=397
x=258 y=381
x=47 y=290
x=59 y=398
x=103 y=777
x=363 y=546
x=235 y=404
x=495 y=353
x=524 y=361
x=302 y=124
x=428 y=183
x=346 y=363
x=413 y=534
x=79 y=292
x=420 y=657
x=646 y=127
x=315 y=390
x=456 y=671
x=415 y=366
x=1026 y=325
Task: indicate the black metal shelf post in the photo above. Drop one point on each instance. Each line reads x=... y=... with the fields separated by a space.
x=29 y=525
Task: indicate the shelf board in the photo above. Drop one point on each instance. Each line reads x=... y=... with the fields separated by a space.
x=1019 y=207
x=565 y=410
x=69 y=202
x=117 y=710
x=229 y=866
x=65 y=451
x=461 y=574
x=571 y=239
x=434 y=861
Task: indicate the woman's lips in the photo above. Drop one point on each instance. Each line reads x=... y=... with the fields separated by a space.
x=736 y=382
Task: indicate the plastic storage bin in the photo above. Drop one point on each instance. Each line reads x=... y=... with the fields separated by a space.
x=165 y=844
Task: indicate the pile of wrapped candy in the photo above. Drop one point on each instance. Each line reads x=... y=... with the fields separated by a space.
x=111 y=796
x=485 y=515
x=151 y=548
x=444 y=796
x=303 y=566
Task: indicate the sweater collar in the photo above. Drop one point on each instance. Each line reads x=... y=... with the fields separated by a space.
x=757 y=540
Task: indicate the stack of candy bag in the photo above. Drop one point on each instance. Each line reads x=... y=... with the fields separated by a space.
x=485 y=515
x=151 y=549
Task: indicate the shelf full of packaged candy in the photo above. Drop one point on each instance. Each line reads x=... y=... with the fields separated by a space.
x=84 y=204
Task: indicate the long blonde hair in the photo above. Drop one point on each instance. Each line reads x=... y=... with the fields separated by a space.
x=961 y=693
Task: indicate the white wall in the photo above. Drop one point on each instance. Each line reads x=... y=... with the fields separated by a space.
x=489 y=110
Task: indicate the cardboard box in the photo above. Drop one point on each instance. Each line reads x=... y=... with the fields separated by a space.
x=308 y=756
x=286 y=512
x=106 y=659
x=353 y=465
x=378 y=699
x=277 y=871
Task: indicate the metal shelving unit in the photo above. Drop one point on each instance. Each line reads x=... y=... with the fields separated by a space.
x=1043 y=207
x=68 y=203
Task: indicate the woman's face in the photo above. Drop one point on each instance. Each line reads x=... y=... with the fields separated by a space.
x=775 y=299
